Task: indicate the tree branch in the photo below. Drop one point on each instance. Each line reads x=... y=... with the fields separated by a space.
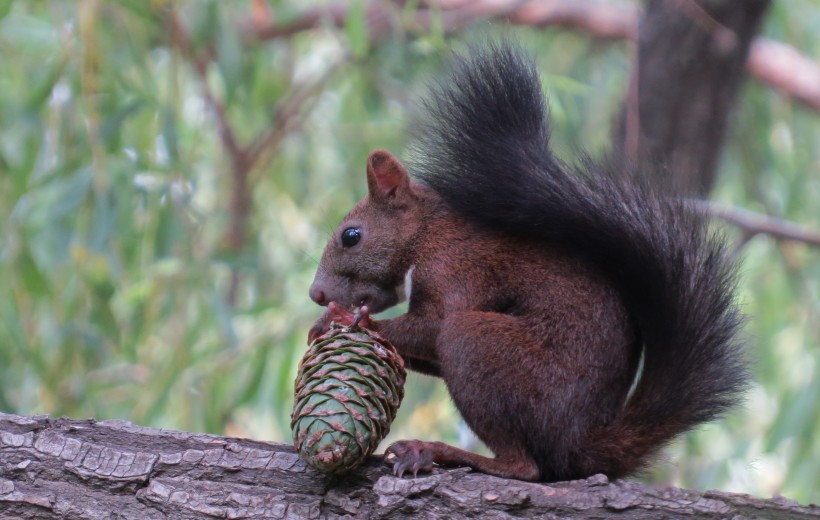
x=785 y=69
x=287 y=118
x=240 y=202
x=243 y=158
x=86 y=469
x=773 y=63
x=752 y=223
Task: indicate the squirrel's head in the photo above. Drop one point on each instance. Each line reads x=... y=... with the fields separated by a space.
x=371 y=251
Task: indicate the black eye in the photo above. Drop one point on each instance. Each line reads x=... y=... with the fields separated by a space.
x=351 y=236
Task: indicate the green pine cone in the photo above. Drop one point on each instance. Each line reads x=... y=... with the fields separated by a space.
x=348 y=390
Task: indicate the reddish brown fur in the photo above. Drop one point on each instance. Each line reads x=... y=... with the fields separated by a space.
x=535 y=346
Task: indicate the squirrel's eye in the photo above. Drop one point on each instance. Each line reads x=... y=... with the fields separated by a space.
x=351 y=236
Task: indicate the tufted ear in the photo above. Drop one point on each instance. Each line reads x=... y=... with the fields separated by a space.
x=386 y=176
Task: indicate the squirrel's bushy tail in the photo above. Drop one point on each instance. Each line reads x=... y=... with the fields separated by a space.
x=484 y=148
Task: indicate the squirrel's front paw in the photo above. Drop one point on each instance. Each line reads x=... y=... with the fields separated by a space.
x=413 y=456
x=321 y=326
x=336 y=313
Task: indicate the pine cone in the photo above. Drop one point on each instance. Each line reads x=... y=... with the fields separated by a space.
x=349 y=387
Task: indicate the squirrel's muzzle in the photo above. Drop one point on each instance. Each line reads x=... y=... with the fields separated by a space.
x=318 y=294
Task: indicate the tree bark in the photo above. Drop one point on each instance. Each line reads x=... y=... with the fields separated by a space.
x=689 y=68
x=86 y=469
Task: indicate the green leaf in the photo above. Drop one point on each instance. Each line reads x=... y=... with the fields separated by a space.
x=32 y=277
x=230 y=60
x=204 y=24
x=41 y=91
x=142 y=9
x=170 y=134
x=259 y=369
x=5 y=7
x=31 y=34
x=110 y=129
x=356 y=29
x=70 y=193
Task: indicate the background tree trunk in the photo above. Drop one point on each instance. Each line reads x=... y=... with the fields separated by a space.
x=73 y=469
x=689 y=67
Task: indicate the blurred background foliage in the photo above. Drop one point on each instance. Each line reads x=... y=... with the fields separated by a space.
x=127 y=292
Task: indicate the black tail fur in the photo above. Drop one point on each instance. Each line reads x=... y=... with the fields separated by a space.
x=483 y=146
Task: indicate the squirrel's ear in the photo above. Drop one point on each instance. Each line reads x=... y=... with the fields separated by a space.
x=386 y=176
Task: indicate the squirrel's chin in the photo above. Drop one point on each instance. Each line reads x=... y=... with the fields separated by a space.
x=379 y=302
x=375 y=307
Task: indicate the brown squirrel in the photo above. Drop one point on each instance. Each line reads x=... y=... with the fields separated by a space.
x=535 y=288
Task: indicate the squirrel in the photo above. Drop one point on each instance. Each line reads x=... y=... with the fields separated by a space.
x=536 y=289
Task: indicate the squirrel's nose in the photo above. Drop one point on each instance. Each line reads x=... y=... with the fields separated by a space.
x=318 y=295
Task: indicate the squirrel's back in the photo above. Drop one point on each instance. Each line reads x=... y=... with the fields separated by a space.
x=483 y=146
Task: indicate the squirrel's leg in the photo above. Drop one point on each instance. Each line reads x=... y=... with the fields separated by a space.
x=414 y=336
x=486 y=360
x=414 y=456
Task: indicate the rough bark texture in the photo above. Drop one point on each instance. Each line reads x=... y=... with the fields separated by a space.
x=112 y=469
x=690 y=65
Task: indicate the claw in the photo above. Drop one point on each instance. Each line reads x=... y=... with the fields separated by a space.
x=412 y=456
x=363 y=315
x=339 y=314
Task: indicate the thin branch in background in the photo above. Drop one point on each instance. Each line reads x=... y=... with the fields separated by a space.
x=261 y=12
x=88 y=85
x=725 y=38
x=752 y=223
x=632 y=114
x=599 y=20
x=240 y=202
x=773 y=63
x=785 y=69
x=245 y=158
x=289 y=115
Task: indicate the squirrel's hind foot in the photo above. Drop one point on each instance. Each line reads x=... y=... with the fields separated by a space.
x=419 y=456
x=412 y=456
